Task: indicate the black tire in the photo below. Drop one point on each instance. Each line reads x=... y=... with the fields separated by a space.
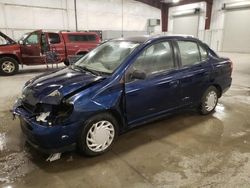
x=204 y=108
x=82 y=140
x=12 y=62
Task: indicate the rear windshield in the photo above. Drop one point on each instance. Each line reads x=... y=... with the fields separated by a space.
x=82 y=38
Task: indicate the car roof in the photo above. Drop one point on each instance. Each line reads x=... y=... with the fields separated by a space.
x=145 y=38
x=79 y=33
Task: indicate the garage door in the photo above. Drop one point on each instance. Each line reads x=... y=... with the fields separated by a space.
x=237 y=31
x=187 y=25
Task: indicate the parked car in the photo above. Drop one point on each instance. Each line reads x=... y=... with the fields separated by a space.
x=120 y=84
x=32 y=47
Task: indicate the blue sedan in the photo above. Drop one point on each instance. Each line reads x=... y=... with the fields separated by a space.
x=120 y=84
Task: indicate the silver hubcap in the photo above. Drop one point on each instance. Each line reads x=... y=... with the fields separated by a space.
x=211 y=100
x=8 y=66
x=100 y=136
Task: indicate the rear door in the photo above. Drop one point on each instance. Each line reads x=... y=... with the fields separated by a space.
x=159 y=91
x=195 y=70
x=31 y=50
x=57 y=45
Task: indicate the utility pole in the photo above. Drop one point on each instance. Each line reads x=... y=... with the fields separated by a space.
x=76 y=15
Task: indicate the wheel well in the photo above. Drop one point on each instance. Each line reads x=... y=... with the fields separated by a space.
x=219 y=89
x=82 y=53
x=118 y=118
x=11 y=56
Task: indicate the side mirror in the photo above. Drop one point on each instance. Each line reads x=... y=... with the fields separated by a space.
x=21 y=42
x=137 y=74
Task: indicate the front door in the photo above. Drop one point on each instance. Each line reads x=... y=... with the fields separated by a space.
x=158 y=92
x=31 y=49
x=57 y=45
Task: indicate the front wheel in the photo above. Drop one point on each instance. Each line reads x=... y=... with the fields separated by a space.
x=98 y=135
x=209 y=100
x=8 y=66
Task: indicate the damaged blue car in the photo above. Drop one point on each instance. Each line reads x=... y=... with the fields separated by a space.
x=120 y=84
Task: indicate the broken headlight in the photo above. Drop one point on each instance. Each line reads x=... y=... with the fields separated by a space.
x=55 y=93
x=48 y=114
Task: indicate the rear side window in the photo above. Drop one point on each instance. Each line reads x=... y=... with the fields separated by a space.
x=54 y=38
x=189 y=52
x=81 y=38
x=91 y=38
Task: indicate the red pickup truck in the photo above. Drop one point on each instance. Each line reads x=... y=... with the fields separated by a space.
x=32 y=47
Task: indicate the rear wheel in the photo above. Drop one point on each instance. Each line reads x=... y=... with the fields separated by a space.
x=209 y=100
x=8 y=66
x=98 y=135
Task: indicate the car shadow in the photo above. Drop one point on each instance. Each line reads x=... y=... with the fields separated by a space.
x=128 y=141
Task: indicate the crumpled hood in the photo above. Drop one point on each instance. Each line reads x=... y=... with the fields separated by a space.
x=10 y=40
x=51 y=88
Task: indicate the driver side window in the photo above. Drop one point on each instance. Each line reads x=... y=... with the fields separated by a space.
x=32 y=39
x=155 y=59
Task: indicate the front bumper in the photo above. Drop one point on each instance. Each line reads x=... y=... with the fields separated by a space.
x=52 y=151
x=48 y=139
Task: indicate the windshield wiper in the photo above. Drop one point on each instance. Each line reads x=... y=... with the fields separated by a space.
x=88 y=70
x=91 y=71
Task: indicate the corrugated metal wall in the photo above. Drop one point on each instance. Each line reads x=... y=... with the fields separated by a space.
x=19 y=16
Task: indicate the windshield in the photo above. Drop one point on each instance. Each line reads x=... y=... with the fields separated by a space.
x=24 y=36
x=107 y=57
